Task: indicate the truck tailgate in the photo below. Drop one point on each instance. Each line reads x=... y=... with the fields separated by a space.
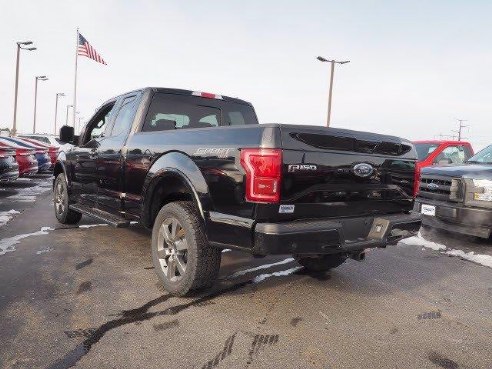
x=340 y=173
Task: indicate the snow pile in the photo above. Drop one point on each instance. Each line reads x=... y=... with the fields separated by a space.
x=264 y=266
x=282 y=273
x=29 y=194
x=92 y=225
x=8 y=244
x=5 y=216
x=485 y=260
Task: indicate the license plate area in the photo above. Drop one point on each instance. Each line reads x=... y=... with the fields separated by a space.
x=429 y=210
x=379 y=229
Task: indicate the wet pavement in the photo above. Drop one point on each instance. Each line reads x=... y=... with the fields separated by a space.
x=87 y=297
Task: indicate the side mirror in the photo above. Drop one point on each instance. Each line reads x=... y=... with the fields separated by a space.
x=67 y=134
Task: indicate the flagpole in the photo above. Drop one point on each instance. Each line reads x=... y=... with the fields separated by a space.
x=75 y=81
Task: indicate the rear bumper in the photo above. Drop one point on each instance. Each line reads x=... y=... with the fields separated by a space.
x=9 y=174
x=348 y=235
x=454 y=217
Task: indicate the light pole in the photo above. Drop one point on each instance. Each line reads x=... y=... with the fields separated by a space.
x=332 y=62
x=37 y=78
x=58 y=94
x=20 y=45
x=66 y=119
x=78 y=126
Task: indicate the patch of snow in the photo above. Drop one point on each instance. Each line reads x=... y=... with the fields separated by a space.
x=226 y=250
x=282 y=273
x=92 y=225
x=29 y=194
x=261 y=267
x=48 y=249
x=485 y=260
x=8 y=244
x=5 y=216
x=420 y=241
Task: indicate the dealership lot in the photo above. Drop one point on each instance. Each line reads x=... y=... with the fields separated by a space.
x=87 y=296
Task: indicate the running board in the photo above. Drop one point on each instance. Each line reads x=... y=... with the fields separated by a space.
x=101 y=215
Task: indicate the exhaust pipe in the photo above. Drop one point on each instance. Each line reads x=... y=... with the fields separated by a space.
x=358 y=256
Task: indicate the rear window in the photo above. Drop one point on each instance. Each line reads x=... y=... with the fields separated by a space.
x=424 y=150
x=168 y=111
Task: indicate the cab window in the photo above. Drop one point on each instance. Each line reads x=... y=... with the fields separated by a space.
x=169 y=112
x=98 y=124
x=452 y=155
x=124 y=119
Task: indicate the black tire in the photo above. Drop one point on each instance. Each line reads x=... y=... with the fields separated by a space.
x=321 y=263
x=60 y=202
x=181 y=269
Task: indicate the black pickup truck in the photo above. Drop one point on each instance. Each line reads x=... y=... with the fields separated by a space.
x=200 y=171
x=459 y=198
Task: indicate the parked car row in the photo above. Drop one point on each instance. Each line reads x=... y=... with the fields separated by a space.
x=21 y=157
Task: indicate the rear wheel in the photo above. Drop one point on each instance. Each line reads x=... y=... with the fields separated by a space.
x=321 y=263
x=182 y=257
x=60 y=201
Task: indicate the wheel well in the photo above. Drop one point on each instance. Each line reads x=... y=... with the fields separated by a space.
x=58 y=169
x=168 y=189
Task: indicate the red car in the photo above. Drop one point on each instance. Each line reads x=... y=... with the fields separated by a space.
x=9 y=169
x=52 y=150
x=434 y=152
x=26 y=159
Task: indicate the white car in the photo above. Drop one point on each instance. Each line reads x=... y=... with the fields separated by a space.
x=44 y=138
x=49 y=140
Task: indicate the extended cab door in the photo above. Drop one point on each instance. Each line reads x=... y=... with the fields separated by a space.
x=83 y=159
x=110 y=160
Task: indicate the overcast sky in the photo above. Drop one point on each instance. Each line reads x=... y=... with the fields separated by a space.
x=415 y=66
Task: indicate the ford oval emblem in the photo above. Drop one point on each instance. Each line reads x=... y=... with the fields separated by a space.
x=363 y=170
x=432 y=186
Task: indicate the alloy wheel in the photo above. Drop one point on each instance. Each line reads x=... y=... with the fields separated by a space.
x=59 y=198
x=172 y=249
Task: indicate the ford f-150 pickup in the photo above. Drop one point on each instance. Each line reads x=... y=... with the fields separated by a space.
x=459 y=198
x=200 y=171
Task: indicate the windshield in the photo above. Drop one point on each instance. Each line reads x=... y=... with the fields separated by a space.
x=424 y=150
x=483 y=157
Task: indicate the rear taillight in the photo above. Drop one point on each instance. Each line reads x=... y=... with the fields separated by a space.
x=416 y=181
x=263 y=174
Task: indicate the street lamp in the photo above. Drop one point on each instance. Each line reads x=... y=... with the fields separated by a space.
x=66 y=119
x=332 y=62
x=24 y=45
x=78 y=125
x=37 y=78
x=58 y=94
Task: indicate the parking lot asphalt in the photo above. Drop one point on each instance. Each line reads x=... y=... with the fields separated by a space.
x=86 y=296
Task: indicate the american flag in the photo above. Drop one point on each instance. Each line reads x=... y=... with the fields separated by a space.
x=85 y=49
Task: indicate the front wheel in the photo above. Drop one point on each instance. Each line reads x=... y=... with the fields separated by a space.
x=60 y=202
x=321 y=263
x=181 y=254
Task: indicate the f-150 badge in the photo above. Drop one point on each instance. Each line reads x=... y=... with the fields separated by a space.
x=302 y=167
